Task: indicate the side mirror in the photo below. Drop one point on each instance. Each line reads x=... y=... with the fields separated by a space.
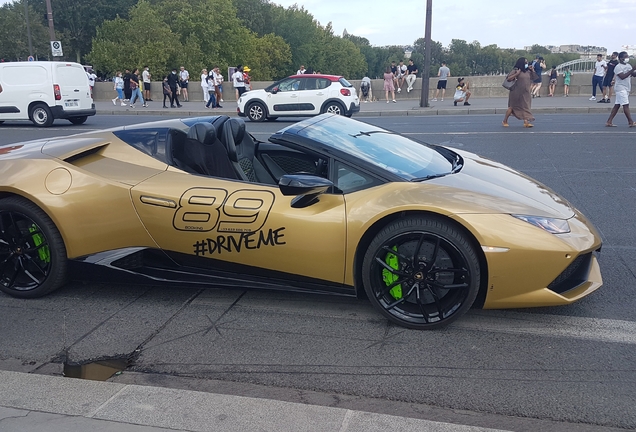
x=275 y=90
x=305 y=187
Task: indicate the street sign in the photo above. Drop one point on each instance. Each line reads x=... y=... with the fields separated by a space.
x=56 y=48
x=30 y=58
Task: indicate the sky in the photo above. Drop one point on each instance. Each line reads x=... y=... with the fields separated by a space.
x=606 y=23
x=610 y=24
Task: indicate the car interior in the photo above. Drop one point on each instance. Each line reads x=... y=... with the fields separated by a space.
x=223 y=148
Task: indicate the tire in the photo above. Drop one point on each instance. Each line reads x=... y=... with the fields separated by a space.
x=256 y=112
x=31 y=249
x=78 y=120
x=334 y=108
x=41 y=116
x=418 y=293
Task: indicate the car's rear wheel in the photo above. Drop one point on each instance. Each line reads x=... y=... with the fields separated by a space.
x=421 y=272
x=40 y=115
x=78 y=120
x=334 y=108
x=256 y=112
x=32 y=254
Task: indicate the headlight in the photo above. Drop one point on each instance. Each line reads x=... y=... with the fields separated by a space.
x=551 y=225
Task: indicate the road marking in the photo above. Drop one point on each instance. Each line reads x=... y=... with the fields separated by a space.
x=596 y=329
x=523 y=132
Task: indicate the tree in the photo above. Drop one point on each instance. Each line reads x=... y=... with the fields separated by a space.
x=76 y=21
x=14 y=43
x=144 y=39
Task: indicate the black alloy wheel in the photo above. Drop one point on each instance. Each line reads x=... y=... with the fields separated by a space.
x=421 y=273
x=32 y=253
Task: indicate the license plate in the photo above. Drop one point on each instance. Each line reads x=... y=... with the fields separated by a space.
x=71 y=103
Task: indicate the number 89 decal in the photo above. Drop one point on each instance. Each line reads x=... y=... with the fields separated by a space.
x=204 y=209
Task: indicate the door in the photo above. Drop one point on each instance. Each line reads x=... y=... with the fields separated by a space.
x=316 y=93
x=23 y=83
x=74 y=88
x=249 y=224
x=285 y=99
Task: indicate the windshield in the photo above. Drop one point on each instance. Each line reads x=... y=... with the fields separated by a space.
x=399 y=155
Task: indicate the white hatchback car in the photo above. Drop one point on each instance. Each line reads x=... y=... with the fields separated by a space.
x=300 y=95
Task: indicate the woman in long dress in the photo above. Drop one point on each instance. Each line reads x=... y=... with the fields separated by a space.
x=388 y=85
x=519 y=99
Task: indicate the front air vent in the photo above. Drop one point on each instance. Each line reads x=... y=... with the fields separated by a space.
x=574 y=275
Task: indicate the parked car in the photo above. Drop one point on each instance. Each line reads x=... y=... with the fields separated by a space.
x=45 y=91
x=300 y=95
x=329 y=205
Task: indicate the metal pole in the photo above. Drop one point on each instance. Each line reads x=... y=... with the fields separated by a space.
x=26 y=16
x=427 y=55
x=49 y=12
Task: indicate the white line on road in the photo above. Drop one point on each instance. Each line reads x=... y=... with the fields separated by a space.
x=596 y=329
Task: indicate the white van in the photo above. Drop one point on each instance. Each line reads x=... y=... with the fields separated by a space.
x=44 y=91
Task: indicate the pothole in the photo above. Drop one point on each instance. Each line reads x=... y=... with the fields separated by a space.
x=97 y=371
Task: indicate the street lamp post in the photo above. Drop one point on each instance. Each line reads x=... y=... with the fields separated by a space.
x=427 y=55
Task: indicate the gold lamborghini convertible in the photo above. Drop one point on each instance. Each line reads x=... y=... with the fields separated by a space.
x=328 y=205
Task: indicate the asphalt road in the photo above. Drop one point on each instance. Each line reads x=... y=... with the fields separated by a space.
x=551 y=367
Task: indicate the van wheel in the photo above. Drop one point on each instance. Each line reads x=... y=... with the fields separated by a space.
x=78 y=120
x=41 y=115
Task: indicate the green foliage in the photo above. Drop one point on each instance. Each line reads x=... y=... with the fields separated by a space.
x=144 y=39
x=14 y=42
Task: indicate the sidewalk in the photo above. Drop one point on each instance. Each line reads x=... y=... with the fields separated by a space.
x=42 y=403
x=543 y=105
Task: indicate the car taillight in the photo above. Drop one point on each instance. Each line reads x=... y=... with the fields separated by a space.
x=345 y=92
x=56 y=91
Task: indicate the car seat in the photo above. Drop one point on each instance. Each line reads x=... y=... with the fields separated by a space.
x=203 y=153
x=241 y=150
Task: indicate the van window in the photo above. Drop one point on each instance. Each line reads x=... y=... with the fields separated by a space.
x=70 y=75
x=24 y=75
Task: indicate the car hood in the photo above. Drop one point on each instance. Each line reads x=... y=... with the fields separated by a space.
x=498 y=188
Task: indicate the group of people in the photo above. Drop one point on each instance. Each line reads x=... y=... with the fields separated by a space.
x=527 y=81
x=129 y=87
x=395 y=76
x=462 y=89
x=211 y=86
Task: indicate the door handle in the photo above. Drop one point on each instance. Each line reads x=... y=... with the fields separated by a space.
x=76 y=90
x=161 y=202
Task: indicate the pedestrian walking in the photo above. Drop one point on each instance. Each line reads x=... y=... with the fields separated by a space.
x=119 y=88
x=623 y=73
x=136 y=90
x=608 y=81
x=553 y=80
x=519 y=99
x=537 y=66
x=173 y=82
x=599 y=74
x=167 y=92
x=184 y=79
x=145 y=77
x=127 y=90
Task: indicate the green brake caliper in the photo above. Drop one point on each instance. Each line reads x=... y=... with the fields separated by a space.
x=390 y=278
x=38 y=239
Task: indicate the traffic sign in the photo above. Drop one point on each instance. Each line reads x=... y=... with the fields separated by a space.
x=30 y=58
x=56 y=48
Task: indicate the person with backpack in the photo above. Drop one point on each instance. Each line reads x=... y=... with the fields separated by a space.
x=365 y=88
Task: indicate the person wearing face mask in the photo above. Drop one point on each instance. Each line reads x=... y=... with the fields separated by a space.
x=173 y=82
x=519 y=98
x=623 y=73
x=119 y=88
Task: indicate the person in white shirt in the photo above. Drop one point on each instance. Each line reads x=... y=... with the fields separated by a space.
x=218 y=83
x=301 y=70
x=119 y=88
x=238 y=82
x=204 y=85
x=145 y=77
x=184 y=78
x=91 y=79
x=623 y=73
x=401 y=75
x=599 y=74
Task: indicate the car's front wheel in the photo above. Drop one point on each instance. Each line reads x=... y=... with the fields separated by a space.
x=256 y=112
x=334 y=108
x=32 y=253
x=421 y=272
x=41 y=115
